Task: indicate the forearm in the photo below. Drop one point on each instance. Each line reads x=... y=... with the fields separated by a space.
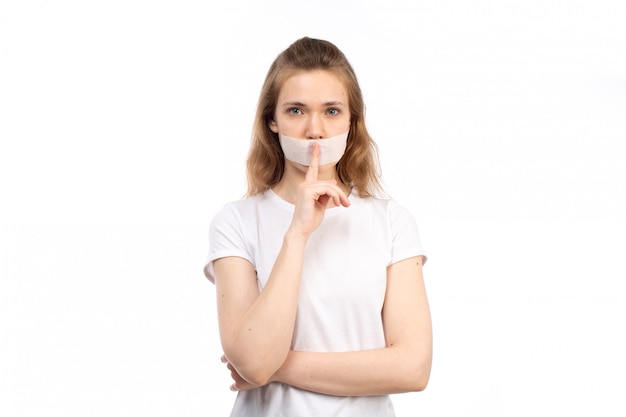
x=368 y=372
x=261 y=339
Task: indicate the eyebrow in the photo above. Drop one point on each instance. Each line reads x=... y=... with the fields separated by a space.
x=300 y=104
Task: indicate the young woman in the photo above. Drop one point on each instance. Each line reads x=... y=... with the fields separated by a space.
x=321 y=302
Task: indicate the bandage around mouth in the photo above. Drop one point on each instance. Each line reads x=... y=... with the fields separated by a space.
x=299 y=150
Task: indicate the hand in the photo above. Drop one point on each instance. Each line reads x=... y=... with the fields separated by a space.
x=314 y=196
x=240 y=384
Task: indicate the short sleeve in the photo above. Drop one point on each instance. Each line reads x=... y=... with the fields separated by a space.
x=405 y=235
x=226 y=238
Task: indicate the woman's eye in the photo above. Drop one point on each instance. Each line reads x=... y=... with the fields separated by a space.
x=295 y=110
x=333 y=112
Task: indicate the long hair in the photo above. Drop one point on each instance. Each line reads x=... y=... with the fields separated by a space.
x=358 y=168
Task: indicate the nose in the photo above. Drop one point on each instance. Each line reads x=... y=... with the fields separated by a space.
x=315 y=127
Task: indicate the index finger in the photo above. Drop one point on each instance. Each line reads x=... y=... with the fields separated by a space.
x=311 y=174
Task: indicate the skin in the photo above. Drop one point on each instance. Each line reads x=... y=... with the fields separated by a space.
x=311 y=105
x=256 y=328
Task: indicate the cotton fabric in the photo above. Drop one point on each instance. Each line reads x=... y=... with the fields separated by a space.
x=342 y=287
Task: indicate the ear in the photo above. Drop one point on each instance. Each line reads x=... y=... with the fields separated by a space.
x=272 y=125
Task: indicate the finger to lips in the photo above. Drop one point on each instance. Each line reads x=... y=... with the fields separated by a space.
x=311 y=174
x=338 y=196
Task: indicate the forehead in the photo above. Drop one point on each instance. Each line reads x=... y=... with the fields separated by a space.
x=316 y=85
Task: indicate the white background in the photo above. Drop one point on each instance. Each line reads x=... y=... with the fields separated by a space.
x=124 y=127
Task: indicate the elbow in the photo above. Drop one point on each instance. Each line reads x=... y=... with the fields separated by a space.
x=417 y=376
x=252 y=371
x=416 y=382
x=420 y=383
x=255 y=370
x=258 y=377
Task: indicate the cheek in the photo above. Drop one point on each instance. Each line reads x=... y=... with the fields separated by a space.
x=348 y=123
x=290 y=127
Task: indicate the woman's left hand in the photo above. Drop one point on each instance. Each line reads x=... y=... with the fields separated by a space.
x=240 y=384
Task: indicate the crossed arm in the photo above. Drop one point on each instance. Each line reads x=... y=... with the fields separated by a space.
x=256 y=329
x=256 y=332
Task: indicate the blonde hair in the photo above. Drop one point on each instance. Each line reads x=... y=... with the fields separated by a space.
x=358 y=168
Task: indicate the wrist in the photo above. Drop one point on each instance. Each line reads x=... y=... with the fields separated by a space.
x=295 y=237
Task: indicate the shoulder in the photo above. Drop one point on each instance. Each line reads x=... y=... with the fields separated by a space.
x=229 y=218
x=396 y=223
x=247 y=213
x=397 y=216
x=239 y=208
x=385 y=206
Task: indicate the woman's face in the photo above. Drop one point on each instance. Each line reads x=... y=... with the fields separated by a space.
x=312 y=105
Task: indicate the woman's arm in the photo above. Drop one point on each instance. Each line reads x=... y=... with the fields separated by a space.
x=256 y=329
x=403 y=365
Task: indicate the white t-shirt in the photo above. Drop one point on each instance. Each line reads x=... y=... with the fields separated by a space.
x=341 y=292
